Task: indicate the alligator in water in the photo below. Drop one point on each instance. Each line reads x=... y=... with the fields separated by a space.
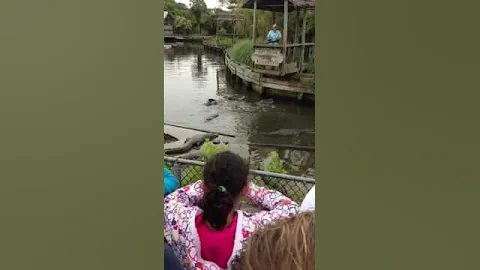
x=194 y=141
x=211 y=117
x=210 y=102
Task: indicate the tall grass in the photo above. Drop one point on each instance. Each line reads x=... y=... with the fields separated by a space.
x=241 y=52
x=311 y=67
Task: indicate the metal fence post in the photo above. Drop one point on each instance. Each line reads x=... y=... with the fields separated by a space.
x=177 y=171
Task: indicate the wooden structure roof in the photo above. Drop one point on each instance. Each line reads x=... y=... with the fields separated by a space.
x=277 y=5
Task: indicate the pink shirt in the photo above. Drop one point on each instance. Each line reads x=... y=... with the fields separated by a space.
x=216 y=246
x=181 y=209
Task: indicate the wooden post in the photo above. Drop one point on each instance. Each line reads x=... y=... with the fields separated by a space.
x=233 y=36
x=285 y=33
x=304 y=29
x=254 y=21
x=297 y=20
x=216 y=38
x=244 y=28
x=260 y=86
x=295 y=36
x=274 y=16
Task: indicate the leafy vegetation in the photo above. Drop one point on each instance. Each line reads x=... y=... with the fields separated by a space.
x=194 y=173
x=193 y=19
x=241 y=52
x=276 y=165
x=182 y=24
x=210 y=149
x=198 y=8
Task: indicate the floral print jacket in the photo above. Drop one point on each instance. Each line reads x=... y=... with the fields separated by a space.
x=181 y=208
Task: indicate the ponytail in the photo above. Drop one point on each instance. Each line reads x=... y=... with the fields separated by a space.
x=225 y=176
x=218 y=204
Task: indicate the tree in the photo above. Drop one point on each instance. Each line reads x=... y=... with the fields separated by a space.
x=175 y=8
x=209 y=22
x=231 y=4
x=198 y=8
x=183 y=24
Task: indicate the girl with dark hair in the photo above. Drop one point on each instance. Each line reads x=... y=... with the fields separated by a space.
x=202 y=222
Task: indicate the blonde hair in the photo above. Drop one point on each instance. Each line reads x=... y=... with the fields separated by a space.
x=288 y=244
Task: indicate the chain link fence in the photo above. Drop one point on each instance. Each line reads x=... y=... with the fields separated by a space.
x=295 y=187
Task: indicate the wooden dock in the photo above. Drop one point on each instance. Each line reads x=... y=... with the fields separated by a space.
x=301 y=87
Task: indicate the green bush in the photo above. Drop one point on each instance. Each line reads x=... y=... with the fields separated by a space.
x=276 y=165
x=182 y=24
x=241 y=52
x=210 y=149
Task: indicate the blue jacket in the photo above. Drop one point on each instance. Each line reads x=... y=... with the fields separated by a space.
x=170 y=183
x=274 y=36
x=171 y=262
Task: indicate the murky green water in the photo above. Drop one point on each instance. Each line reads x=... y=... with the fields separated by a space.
x=192 y=76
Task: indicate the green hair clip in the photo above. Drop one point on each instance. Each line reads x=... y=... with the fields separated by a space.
x=222 y=189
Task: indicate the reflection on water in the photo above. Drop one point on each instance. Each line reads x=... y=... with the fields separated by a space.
x=192 y=76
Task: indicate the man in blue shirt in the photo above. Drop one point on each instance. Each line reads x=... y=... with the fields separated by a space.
x=274 y=35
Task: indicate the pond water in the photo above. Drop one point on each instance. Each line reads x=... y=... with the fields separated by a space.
x=193 y=75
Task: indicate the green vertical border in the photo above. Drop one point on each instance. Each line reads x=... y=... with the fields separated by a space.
x=162 y=51
x=80 y=134
x=397 y=134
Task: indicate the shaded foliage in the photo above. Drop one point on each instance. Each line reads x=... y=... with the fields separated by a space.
x=198 y=8
x=193 y=19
